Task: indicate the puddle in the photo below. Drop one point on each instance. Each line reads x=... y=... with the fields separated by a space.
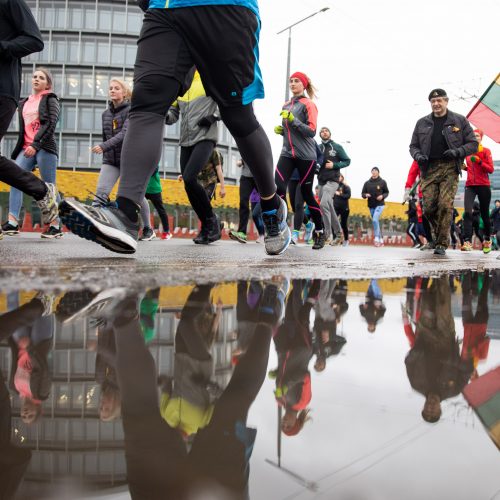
x=273 y=389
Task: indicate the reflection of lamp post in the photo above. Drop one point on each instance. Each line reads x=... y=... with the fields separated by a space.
x=289 y=28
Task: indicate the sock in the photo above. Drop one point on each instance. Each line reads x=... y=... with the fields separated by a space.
x=129 y=208
x=13 y=223
x=271 y=204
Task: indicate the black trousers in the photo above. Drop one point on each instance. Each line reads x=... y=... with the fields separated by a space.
x=247 y=185
x=157 y=201
x=297 y=203
x=10 y=172
x=483 y=194
x=343 y=214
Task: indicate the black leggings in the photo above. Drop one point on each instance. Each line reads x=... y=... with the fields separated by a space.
x=306 y=170
x=344 y=217
x=193 y=159
x=157 y=201
x=247 y=185
x=483 y=194
x=411 y=231
x=297 y=204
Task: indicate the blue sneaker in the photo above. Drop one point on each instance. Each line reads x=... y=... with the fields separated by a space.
x=277 y=233
x=309 y=231
x=295 y=237
x=107 y=225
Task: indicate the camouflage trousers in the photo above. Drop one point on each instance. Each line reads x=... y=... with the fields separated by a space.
x=439 y=187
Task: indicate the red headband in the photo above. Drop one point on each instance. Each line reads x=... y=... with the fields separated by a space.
x=480 y=132
x=302 y=77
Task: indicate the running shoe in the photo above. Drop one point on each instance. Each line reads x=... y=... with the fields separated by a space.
x=319 y=240
x=486 y=246
x=309 y=231
x=52 y=232
x=166 y=236
x=336 y=241
x=277 y=237
x=260 y=239
x=214 y=229
x=345 y=243
x=440 y=250
x=9 y=229
x=428 y=246
x=147 y=234
x=238 y=236
x=467 y=246
x=48 y=204
x=108 y=225
x=295 y=237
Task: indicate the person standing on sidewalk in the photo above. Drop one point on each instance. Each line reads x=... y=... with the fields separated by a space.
x=335 y=158
x=439 y=144
x=375 y=191
x=36 y=145
x=479 y=168
x=19 y=37
x=247 y=185
x=175 y=37
x=341 y=206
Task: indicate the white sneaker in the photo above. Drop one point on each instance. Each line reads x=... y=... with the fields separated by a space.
x=260 y=239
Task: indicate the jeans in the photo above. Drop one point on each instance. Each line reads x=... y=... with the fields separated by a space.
x=376 y=213
x=47 y=164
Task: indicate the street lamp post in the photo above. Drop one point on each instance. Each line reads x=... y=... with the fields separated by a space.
x=289 y=28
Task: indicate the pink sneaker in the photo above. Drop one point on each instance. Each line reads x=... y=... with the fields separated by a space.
x=166 y=236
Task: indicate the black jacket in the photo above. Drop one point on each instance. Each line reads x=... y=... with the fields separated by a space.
x=48 y=110
x=19 y=37
x=336 y=154
x=375 y=187
x=457 y=132
x=114 y=127
x=341 y=201
x=495 y=219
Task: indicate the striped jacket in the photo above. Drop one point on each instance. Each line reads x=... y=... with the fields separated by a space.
x=298 y=135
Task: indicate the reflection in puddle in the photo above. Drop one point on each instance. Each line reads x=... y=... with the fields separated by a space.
x=260 y=389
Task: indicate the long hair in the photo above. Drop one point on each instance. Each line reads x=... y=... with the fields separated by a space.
x=302 y=418
x=48 y=76
x=311 y=90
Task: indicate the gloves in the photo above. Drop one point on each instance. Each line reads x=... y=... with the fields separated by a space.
x=475 y=159
x=451 y=154
x=278 y=130
x=287 y=115
x=143 y=4
x=406 y=196
x=207 y=121
x=421 y=159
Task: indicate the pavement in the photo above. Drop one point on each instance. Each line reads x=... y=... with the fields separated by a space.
x=27 y=261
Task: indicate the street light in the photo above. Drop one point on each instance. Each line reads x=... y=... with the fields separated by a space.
x=289 y=28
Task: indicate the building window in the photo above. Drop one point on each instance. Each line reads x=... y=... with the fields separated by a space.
x=68 y=117
x=104 y=19
x=68 y=151
x=170 y=163
x=117 y=53
x=134 y=22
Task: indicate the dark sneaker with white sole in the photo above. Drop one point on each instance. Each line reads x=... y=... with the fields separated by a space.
x=147 y=234
x=48 y=204
x=440 y=250
x=108 y=225
x=9 y=229
x=277 y=233
x=52 y=233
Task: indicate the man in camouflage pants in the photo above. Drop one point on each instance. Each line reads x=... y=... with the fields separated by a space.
x=439 y=144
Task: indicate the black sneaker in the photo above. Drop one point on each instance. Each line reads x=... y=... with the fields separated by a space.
x=214 y=229
x=52 y=232
x=440 y=250
x=147 y=234
x=319 y=240
x=108 y=226
x=202 y=238
x=9 y=229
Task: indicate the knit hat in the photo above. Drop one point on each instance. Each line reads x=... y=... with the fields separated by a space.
x=302 y=77
x=437 y=93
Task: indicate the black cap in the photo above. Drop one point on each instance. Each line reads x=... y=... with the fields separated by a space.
x=437 y=93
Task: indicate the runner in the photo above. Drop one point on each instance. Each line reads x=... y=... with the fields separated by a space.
x=176 y=36
x=375 y=191
x=298 y=129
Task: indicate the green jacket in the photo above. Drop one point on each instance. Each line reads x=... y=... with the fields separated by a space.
x=154 y=184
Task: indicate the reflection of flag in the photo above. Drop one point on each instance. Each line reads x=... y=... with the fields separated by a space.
x=486 y=113
x=483 y=394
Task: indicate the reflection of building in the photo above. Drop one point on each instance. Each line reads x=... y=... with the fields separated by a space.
x=69 y=440
x=87 y=43
x=495 y=186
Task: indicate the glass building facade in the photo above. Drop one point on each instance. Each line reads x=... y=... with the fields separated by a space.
x=86 y=44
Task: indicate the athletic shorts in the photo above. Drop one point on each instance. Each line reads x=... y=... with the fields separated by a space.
x=221 y=41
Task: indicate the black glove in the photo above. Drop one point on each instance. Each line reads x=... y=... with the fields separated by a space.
x=143 y=4
x=451 y=154
x=421 y=159
x=206 y=121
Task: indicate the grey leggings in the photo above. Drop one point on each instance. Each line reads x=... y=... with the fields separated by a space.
x=108 y=177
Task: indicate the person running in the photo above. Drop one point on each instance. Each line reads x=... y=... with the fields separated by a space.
x=247 y=186
x=373 y=309
x=153 y=194
x=411 y=230
x=36 y=145
x=334 y=158
x=198 y=137
x=298 y=129
x=341 y=206
x=19 y=37
x=479 y=167
x=114 y=127
x=375 y=191
x=176 y=36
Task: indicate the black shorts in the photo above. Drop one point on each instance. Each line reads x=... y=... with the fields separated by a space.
x=220 y=40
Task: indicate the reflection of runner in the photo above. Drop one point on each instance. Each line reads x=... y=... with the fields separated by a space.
x=433 y=365
x=373 y=309
x=220 y=453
